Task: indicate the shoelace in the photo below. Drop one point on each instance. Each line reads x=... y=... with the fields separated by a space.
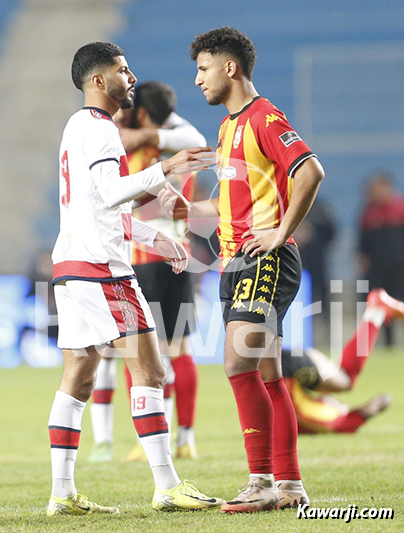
x=187 y=484
x=247 y=489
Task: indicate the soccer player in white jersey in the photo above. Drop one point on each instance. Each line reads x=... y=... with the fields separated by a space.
x=153 y=120
x=100 y=304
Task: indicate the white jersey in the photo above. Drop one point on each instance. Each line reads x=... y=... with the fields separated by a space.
x=96 y=226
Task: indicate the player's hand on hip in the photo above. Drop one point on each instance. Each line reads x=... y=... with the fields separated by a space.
x=173 y=251
x=263 y=240
x=189 y=160
x=173 y=203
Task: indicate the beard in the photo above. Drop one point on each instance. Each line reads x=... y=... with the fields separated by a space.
x=219 y=96
x=121 y=96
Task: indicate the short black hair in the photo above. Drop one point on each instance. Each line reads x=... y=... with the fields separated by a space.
x=93 y=56
x=227 y=41
x=159 y=100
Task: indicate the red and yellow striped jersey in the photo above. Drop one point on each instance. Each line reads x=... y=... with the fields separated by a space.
x=257 y=154
x=149 y=207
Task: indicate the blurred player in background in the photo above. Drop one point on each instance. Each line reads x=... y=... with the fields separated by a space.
x=151 y=131
x=320 y=412
x=381 y=239
x=100 y=304
x=258 y=154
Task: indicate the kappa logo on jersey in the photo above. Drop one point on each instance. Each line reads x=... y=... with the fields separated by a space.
x=271 y=118
x=289 y=138
x=237 y=137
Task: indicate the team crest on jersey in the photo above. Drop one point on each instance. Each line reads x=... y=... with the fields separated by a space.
x=237 y=137
x=97 y=114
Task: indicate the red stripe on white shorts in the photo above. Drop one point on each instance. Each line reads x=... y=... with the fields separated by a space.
x=124 y=305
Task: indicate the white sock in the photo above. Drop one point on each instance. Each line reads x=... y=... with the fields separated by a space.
x=267 y=477
x=152 y=429
x=185 y=435
x=291 y=484
x=102 y=414
x=64 y=427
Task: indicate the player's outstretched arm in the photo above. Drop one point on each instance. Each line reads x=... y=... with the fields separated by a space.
x=116 y=190
x=188 y=160
x=176 y=206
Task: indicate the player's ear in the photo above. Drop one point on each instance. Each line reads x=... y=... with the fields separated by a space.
x=231 y=68
x=98 y=81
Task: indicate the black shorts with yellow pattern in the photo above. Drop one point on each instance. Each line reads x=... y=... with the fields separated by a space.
x=260 y=289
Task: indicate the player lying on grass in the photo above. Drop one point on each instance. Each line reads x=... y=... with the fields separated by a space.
x=321 y=412
x=98 y=299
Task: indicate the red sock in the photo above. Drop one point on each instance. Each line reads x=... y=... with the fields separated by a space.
x=128 y=379
x=186 y=386
x=357 y=350
x=103 y=395
x=168 y=390
x=348 y=423
x=255 y=412
x=286 y=464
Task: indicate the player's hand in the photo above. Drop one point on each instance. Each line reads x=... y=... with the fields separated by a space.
x=189 y=160
x=263 y=240
x=173 y=251
x=173 y=203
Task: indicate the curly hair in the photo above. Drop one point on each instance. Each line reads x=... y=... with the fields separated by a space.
x=89 y=57
x=227 y=41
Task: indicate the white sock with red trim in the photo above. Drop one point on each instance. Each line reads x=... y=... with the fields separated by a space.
x=64 y=431
x=147 y=406
x=102 y=408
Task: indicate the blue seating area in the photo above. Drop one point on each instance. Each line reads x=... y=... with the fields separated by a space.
x=7 y=8
x=351 y=99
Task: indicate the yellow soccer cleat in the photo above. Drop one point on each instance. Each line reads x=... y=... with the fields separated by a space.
x=76 y=505
x=186 y=451
x=137 y=454
x=183 y=497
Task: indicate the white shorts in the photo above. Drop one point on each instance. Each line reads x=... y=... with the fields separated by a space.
x=93 y=313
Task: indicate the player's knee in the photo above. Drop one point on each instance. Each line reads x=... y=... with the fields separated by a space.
x=87 y=387
x=240 y=366
x=158 y=377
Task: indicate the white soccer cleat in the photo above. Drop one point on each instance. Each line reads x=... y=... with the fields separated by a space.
x=292 y=494
x=259 y=495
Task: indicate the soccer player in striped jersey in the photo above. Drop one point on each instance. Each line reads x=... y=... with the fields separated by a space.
x=268 y=179
x=98 y=299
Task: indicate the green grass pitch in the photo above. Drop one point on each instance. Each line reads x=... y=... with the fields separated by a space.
x=366 y=469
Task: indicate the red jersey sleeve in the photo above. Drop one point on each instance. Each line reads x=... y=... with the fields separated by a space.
x=278 y=140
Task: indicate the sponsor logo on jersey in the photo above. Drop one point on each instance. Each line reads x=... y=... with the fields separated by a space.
x=289 y=138
x=227 y=173
x=271 y=118
x=237 y=137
